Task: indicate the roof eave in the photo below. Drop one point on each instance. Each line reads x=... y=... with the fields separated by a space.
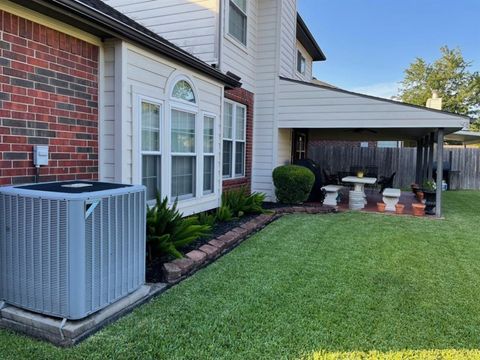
x=308 y=40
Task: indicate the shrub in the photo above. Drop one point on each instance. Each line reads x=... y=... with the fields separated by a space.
x=293 y=183
x=241 y=202
x=224 y=214
x=206 y=218
x=168 y=231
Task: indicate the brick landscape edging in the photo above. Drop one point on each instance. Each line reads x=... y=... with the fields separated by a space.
x=179 y=269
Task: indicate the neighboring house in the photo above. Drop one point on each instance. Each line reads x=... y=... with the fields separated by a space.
x=268 y=45
x=112 y=100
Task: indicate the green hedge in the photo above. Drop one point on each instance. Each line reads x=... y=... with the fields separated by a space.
x=293 y=183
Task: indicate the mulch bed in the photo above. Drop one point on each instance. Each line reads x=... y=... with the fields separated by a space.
x=154 y=271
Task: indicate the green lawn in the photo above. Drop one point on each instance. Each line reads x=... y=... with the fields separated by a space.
x=348 y=285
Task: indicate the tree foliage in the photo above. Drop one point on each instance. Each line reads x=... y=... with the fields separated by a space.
x=451 y=77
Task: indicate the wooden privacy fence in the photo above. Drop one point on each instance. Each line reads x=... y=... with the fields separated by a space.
x=464 y=163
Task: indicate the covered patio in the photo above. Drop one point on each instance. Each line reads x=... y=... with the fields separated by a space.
x=311 y=112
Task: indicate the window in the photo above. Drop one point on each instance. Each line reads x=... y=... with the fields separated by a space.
x=300 y=63
x=183 y=154
x=183 y=91
x=387 y=144
x=234 y=118
x=208 y=154
x=237 y=20
x=151 y=154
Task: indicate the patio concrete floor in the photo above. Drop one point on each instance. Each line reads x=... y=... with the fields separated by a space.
x=373 y=196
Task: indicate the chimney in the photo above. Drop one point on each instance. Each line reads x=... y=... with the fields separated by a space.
x=434 y=102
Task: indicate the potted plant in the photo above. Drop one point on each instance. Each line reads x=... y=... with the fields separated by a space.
x=429 y=190
x=420 y=195
x=360 y=173
x=399 y=208
x=415 y=187
x=418 y=209
x=381 y=206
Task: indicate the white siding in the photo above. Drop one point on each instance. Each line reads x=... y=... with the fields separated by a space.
x=235 y=56
x=190 y=24
x=308 y=64
x=284 y=146
x=266 y=74
x=309 y=106
x=288 y=51
x=107 y=141
x=148 y=75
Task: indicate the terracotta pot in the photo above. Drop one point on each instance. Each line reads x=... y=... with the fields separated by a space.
x=418 y=209
x=399 y=208
x=381 y=206
x=420 y=195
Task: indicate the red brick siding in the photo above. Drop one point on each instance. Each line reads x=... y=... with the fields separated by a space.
x=246 y=98
x=49 y=96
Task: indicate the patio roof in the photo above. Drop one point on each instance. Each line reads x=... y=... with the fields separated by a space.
x=466 y=137
x=343 y=114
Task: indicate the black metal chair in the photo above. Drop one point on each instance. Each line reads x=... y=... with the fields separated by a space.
x=371 y=171
x=386 y=182
x=354 y=170
x=329 y=179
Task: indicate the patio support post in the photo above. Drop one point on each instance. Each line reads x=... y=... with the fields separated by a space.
x=426 y=142
x=438 y=206
x=419 y=162
x=430 y=156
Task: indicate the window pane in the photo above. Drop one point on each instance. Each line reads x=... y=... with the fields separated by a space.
x=150 y=119
x=151 y=174
x=242 y=4
x=208 y=173
x=240 y=124
x=237 y=24
x=227 y=158
x=183 y=132
x=208 y=131
x=239 y=158
x=183 y=90
x=183 y=176
x=227 y=120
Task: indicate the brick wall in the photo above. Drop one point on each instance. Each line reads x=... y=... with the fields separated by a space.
x=49 y=95
x=246 y=98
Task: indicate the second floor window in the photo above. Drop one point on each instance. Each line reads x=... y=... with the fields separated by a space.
x=237 y=20
x=301 y=64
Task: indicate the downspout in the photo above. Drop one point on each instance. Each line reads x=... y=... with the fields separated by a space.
x=220 y=34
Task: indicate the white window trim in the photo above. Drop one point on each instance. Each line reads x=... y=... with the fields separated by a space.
x=227 y=26
x=185 y=106
x=215 y=153
x=137 y=173
x=234 y=141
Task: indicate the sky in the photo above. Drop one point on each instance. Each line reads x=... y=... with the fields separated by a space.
x=369 y=43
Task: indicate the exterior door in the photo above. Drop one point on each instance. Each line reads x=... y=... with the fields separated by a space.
x=299 y=151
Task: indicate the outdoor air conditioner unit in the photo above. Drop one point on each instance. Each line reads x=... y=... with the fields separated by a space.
x=69 y=249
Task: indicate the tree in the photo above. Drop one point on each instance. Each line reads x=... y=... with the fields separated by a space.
x=450 y=76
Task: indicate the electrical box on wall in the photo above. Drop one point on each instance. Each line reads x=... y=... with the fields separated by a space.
x=40 y=155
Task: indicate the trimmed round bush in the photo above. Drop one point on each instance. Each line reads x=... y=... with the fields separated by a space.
x=293 y=183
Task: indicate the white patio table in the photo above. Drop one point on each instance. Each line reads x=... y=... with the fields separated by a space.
x=359 y=183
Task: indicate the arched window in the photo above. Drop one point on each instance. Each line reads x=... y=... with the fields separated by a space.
x=183 y=91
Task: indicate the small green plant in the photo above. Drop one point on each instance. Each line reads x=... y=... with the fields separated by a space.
x=206 y=218
x=429 y=185
x=293 y=183
x=224 y=214
x=168 y=231
x=240 y=202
